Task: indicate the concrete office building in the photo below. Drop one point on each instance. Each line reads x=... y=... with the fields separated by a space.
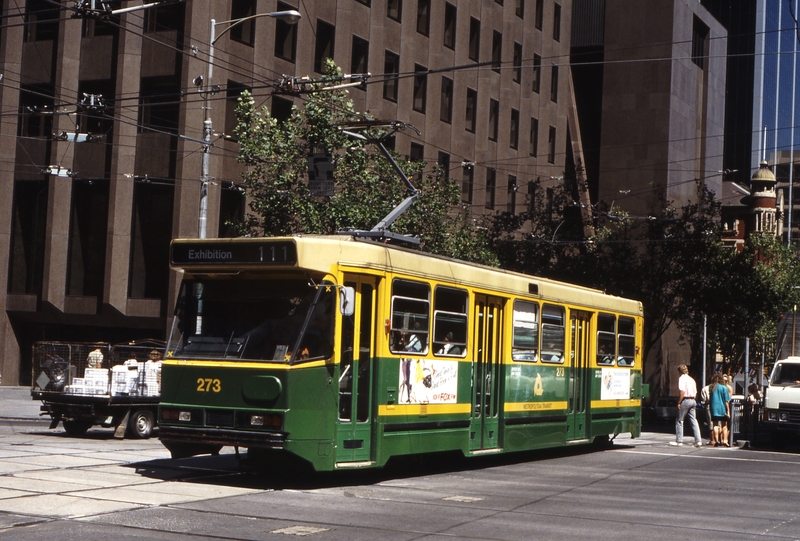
x=655 y=132
x=103 y=129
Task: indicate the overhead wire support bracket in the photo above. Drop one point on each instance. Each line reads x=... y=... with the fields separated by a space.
x=306 y=85
x=101 y=9
x=379 y=232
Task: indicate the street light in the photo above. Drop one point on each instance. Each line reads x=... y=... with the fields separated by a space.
x=290 y=17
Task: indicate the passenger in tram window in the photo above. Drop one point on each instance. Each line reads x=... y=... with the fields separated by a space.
x=414 y=342
x=448 y=348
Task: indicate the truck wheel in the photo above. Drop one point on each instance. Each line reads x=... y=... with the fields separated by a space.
x=77 y=427
x=140 y=424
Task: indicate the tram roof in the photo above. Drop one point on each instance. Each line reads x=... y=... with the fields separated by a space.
x=323 y=252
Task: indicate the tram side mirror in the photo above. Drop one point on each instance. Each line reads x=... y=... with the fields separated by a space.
x=347 y=301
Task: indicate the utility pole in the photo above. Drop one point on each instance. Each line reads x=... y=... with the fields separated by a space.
x=290 y=17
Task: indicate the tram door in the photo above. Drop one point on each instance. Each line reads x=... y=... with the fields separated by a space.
x=486 y=373
x=579 y=381
x=354 y=427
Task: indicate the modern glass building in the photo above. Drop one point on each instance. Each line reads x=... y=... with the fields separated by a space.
x=775 y=100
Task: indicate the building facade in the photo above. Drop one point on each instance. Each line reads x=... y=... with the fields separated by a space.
x=104 y=132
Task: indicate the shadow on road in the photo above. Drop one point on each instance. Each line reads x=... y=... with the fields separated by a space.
x=244 y=472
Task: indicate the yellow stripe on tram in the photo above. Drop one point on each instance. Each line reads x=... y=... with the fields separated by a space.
x=601 y=404
x=423 y=409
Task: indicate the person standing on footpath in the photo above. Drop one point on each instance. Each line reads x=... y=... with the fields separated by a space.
x=720 y=411
x=687 y=391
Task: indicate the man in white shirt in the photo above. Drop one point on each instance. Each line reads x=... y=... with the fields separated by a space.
x=687 y=391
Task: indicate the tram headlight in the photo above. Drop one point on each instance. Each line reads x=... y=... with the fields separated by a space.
x=772 y=415
x=256 y=420
x=784 y=416
x=185 y=416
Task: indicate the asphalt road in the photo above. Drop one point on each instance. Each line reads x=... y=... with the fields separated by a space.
x=56 y=487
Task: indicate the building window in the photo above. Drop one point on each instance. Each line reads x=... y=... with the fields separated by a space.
x=391 y=66
x=232 y=206
x=420 y=87
x=285 y=37
x=281 y=109
x=150 y=238
x=699 y=43
x=472 y=107
x=449 y=26
x=87 y=238
x=491 y=186
x=243 y=32
x=444 y=164
x=394 y=9
x=554 y=84
x=365 y=2
x=232 y=94
x=557 y=22
x=359 y=57
x=517 y=74
x=417 y=154
x=324 y=48
x=33 y=101
x=534 y=141
x=538 y=17
x=466 y=184
x=514 y=129
x=474 y=39
x=494 y=115
x=159 y=105
x=531 y=196
x=551 y=145
x=423 y=16
x=446 y=107
x=497 y=50
x=28 y=235
x=511 y=200
x=41 y=20
x=519 y=8
x=164 y=18
x=537 y=73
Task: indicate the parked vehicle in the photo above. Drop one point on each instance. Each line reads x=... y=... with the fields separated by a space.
x=85 y=384
x=781 y=409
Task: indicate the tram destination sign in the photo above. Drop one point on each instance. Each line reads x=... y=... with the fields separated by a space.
x=233 y=253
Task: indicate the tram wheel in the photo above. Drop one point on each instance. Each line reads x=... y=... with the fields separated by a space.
x=141 y=424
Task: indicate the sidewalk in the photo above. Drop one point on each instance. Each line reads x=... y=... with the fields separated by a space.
x=16 y=403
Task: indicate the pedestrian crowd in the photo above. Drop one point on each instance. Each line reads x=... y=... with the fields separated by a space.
x=716 y=397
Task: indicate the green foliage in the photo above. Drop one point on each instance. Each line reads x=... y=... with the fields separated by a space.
x=366 y=186
x=675 y=262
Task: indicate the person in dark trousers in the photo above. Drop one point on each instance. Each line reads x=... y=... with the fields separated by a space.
x=687 y=392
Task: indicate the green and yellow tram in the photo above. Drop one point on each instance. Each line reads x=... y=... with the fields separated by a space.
x=346 y=352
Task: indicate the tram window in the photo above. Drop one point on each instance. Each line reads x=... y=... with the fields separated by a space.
x=606 y=339
x=410 y=317
x=253 y=319
x=627 y=347
x=553 y=332
x=526 y=331
x=450 y=321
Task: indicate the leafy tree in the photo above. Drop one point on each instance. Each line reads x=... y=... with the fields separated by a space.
x=366 y=186
x=674 y=261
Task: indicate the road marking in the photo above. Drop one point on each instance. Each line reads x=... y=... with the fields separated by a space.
x=694 y=455
x=463 y=499
x=300 y=530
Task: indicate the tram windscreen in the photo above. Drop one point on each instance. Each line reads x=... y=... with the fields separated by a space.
x=275 y=320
